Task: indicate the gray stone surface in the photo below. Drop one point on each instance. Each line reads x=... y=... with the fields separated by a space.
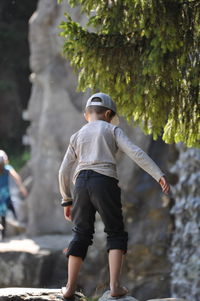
x=53 y=116
x=33 y=262
x=37 y=294
x=167 y=299
x=41 y=294
x=106 y=297
x=185 y=251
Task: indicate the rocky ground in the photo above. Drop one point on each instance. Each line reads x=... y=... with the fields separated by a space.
x=18 y=294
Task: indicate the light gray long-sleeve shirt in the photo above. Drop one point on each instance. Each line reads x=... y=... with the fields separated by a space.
x=94 y=147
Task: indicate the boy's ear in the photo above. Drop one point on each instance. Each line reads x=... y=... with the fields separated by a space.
x=86 y=116
x=107 y=115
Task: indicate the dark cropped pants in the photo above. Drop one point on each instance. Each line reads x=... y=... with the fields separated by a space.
x=96 y=192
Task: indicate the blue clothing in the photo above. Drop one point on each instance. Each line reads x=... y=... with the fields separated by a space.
x=4 y=190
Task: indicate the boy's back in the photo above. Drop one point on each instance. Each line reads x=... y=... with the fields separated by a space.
x=95 y=148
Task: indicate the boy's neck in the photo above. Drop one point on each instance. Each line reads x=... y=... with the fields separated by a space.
x=95 y=117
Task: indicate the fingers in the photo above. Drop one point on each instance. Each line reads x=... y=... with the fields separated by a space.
x=24 y=192
x=67 y=213
x=164 y=185
x=67 y=217
x=166 y=188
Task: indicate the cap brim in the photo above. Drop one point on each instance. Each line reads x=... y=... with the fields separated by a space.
x=115 y=120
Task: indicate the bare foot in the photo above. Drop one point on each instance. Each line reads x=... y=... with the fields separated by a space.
x=67 y=292
x=118 y=292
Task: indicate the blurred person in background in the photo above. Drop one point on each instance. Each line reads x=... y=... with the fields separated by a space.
x=7 y=171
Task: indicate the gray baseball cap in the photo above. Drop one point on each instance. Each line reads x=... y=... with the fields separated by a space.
x=107 y=102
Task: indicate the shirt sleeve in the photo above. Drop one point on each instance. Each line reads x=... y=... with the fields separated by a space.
x=8 y=167
x=65 y=171
x=137 y=154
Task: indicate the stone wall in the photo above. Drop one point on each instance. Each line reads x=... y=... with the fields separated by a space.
x=185 y=251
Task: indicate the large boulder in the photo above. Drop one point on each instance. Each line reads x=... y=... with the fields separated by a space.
x=53 y=116
x=36 y=262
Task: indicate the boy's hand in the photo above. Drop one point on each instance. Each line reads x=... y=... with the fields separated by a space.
x=24 y=191
x=67 y=213
x=164 y=185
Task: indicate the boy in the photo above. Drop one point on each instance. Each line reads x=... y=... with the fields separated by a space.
x=7 y=171
x=93 y=148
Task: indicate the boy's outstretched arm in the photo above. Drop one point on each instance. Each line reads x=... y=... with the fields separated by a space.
x=18 y=181
x=141 y=158
x=64 y=178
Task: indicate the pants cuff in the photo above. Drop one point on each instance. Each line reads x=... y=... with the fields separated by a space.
x=117 y=242
x=75 y=249
x=117 y=247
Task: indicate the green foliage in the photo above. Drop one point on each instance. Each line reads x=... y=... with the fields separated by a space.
x=146 y=55
x=19 y=159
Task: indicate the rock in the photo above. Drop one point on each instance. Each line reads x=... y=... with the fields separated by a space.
x=53 y=115
x=185 y=251
x=106 y=297
x=37 y=294
x=17 y=294
x=167 y=299
x=36 y=262
x=14 y=227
